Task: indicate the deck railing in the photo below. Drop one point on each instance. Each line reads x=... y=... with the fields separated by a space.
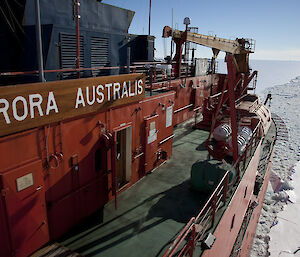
x=240 y=164
x=195 y=230
x=157 y=76
x=151 y=69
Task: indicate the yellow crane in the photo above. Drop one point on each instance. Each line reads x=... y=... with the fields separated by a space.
x=239 y=48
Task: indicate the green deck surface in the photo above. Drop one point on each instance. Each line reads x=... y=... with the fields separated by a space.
x=151 y=212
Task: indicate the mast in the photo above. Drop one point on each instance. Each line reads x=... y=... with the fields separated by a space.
x=171 y=39
x=38 y=35
x=77 y=17
x=149 y=17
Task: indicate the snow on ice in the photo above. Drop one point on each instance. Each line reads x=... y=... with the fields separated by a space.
x=285 y=237
x=278 y=230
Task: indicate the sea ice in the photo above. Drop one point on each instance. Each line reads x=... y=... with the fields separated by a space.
x=286 y=235
x=280 y=220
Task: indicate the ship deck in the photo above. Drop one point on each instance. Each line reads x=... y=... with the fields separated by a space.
x=152 y=212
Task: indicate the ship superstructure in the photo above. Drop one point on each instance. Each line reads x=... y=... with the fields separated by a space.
x=197 y=142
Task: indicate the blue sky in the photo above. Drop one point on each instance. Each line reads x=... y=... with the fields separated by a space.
x=274 y=24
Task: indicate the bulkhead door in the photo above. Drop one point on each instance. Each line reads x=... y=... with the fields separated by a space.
x=24 y=199
x=123 y=156
x=151 y=142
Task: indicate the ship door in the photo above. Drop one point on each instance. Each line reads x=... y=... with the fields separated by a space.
x=123 y=156
x=151 y=144
x=23 y=193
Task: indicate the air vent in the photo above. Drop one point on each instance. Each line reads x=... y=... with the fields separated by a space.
x=68 y=54
x=99 y=54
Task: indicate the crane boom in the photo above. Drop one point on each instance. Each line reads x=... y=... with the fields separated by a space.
x=229 y=46
x=238 y=46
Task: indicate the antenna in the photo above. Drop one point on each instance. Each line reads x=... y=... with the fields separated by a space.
x=38 y=35
x=172 y=39
x=149 y=17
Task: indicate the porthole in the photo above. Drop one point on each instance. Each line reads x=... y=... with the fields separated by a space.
x=245 y=192
x=232 y=222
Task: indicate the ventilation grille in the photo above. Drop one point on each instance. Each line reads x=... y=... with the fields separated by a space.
x=99 y=54
x=68 y=54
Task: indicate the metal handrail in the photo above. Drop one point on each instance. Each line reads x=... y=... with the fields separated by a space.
x=33 y=72
x=249 y=145
x=12 y=73
x=203 y=220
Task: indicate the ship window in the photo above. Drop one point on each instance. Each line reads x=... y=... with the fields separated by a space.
x=232 y=222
